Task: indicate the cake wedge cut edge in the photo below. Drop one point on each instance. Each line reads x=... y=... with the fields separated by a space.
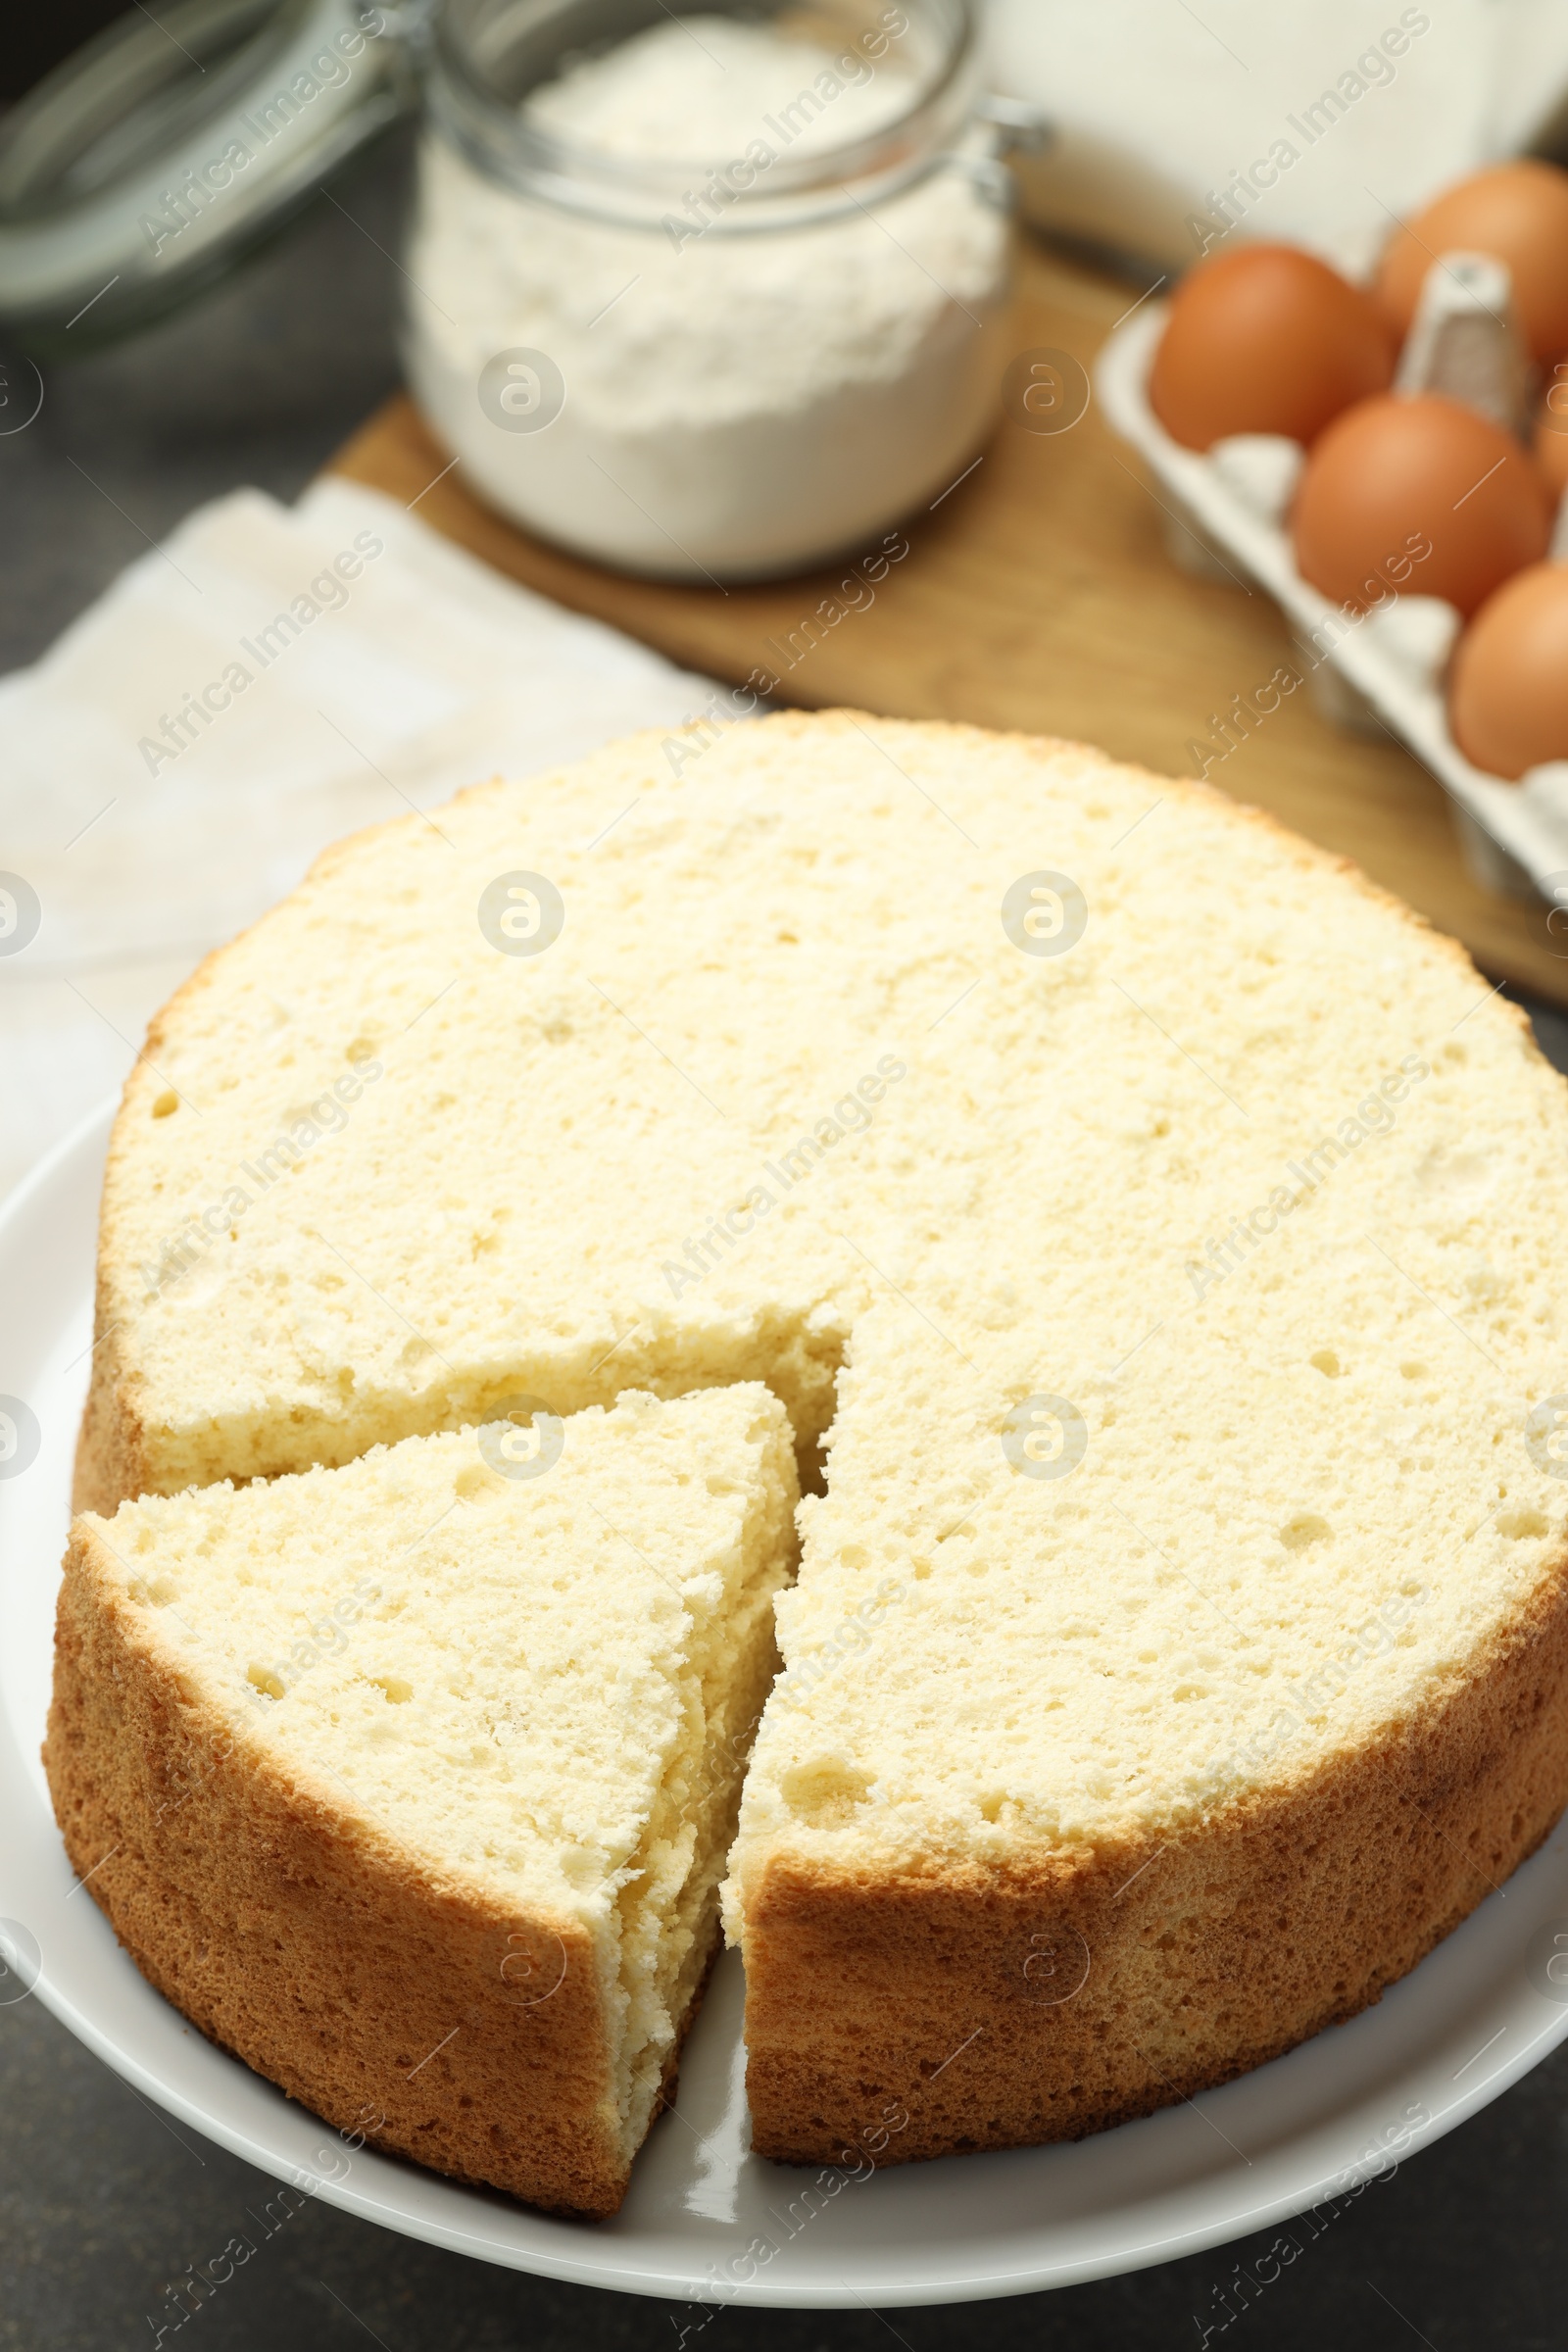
x=411 y=1782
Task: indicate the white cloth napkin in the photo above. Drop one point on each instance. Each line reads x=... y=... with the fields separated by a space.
x=420 y=672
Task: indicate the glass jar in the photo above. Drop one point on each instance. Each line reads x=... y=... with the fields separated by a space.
x=699 y=324
x=716 y=298
x=151 y=161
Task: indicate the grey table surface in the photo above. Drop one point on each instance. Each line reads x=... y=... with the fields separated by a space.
x=103 y=2200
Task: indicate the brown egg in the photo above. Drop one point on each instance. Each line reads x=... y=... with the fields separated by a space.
x=1518 y=212
x=1267 y=340
x=1551 y=429
x=1509 y=694
x=1418 y=495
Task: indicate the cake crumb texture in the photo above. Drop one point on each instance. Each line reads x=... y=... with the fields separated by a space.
x=411 y=1782
x=1147 y=1228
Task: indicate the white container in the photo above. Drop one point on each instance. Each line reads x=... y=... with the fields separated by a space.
x=725 y=362
x=1314 y=120
x=1386 y=668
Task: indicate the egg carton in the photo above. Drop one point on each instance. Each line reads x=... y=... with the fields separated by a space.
x=1385 y=671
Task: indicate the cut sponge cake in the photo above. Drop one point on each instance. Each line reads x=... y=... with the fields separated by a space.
x=411 y=1782
x=1163 y=1220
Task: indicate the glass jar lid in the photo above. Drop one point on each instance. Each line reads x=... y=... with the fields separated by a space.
x=150 y=160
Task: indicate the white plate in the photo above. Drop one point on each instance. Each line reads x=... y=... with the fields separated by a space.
x=704 y=2222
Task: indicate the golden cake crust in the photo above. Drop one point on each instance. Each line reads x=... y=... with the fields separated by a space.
x=390 y=2001
x=890 y=2020
x=926 y=1996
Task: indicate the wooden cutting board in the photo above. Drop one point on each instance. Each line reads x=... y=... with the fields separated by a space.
x=1037 y=595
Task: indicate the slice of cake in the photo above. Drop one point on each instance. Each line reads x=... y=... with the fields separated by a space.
x=1161 y=1219
x=1115 y=1781
x=411 y=1782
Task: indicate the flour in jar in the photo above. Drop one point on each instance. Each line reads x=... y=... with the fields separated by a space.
x=748 y=383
